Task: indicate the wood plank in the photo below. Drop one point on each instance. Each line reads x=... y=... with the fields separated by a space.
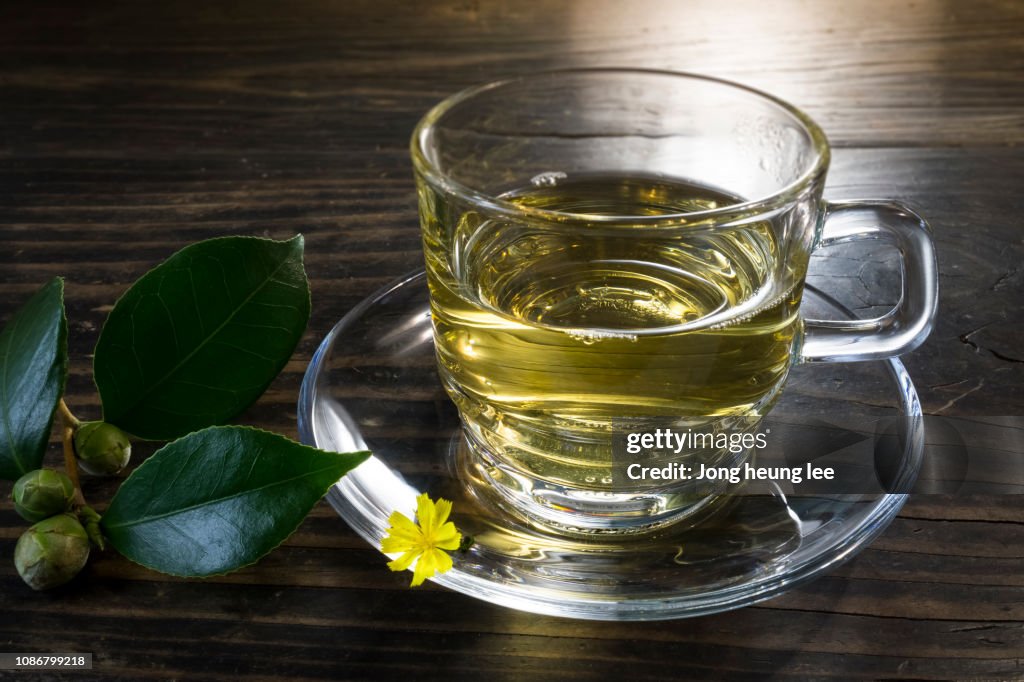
x=131 y=129
x=329 y=76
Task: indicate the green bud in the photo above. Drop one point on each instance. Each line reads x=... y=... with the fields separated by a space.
x=52 y=552
x=102 y=449
x=42 y=493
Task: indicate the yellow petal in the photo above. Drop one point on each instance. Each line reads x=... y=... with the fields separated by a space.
x=402 y=536
x=448 y=538
x=449 y=545
x=403 y=562
x=425 y=567
x=391 y=545
x=425 y=512
x=445 y=532
x=441 y=511
x=402 y=526
x=442 y=562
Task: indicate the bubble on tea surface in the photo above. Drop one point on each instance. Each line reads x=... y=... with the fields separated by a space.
x=547 y=179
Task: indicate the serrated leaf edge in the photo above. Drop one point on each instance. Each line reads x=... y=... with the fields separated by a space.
x=366 y=455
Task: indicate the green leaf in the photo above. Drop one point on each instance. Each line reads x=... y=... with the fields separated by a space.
x=219 y=499
x=200 y=337
x=33 y=369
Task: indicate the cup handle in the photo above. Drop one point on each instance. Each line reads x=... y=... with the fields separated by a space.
x=906 y=326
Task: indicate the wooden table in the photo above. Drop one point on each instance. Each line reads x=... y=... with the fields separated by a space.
x=131 y=130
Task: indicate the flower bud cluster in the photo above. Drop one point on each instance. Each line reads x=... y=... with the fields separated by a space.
x=56 y=548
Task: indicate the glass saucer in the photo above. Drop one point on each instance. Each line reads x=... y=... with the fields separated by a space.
x=372 y=384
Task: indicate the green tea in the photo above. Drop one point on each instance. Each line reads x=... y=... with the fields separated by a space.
x=545 y=335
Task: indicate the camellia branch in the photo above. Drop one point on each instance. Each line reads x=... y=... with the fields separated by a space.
x=69 y=419
x=67 y=439
x=53 y=550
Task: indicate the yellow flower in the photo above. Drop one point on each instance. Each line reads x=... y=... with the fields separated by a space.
x=425 y=541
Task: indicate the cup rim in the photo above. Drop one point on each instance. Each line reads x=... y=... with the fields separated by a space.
x=781 y=197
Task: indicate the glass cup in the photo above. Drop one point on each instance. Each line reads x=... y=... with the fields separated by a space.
x=612 y=249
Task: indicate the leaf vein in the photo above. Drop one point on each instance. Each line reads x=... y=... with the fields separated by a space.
x=242 y=493
x=195 y=302
x=170 y=319
x=250 y=325
x=243 y=349
x=196 y=384
x=211 y=336
x=274 y=305
x=170 y=486
x=289 y=285
x=134 y=347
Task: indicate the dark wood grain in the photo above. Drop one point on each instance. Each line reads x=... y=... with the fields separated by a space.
x=132 y=129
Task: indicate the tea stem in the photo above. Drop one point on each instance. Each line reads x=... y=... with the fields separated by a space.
x=67 y=440
x=69 y=418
